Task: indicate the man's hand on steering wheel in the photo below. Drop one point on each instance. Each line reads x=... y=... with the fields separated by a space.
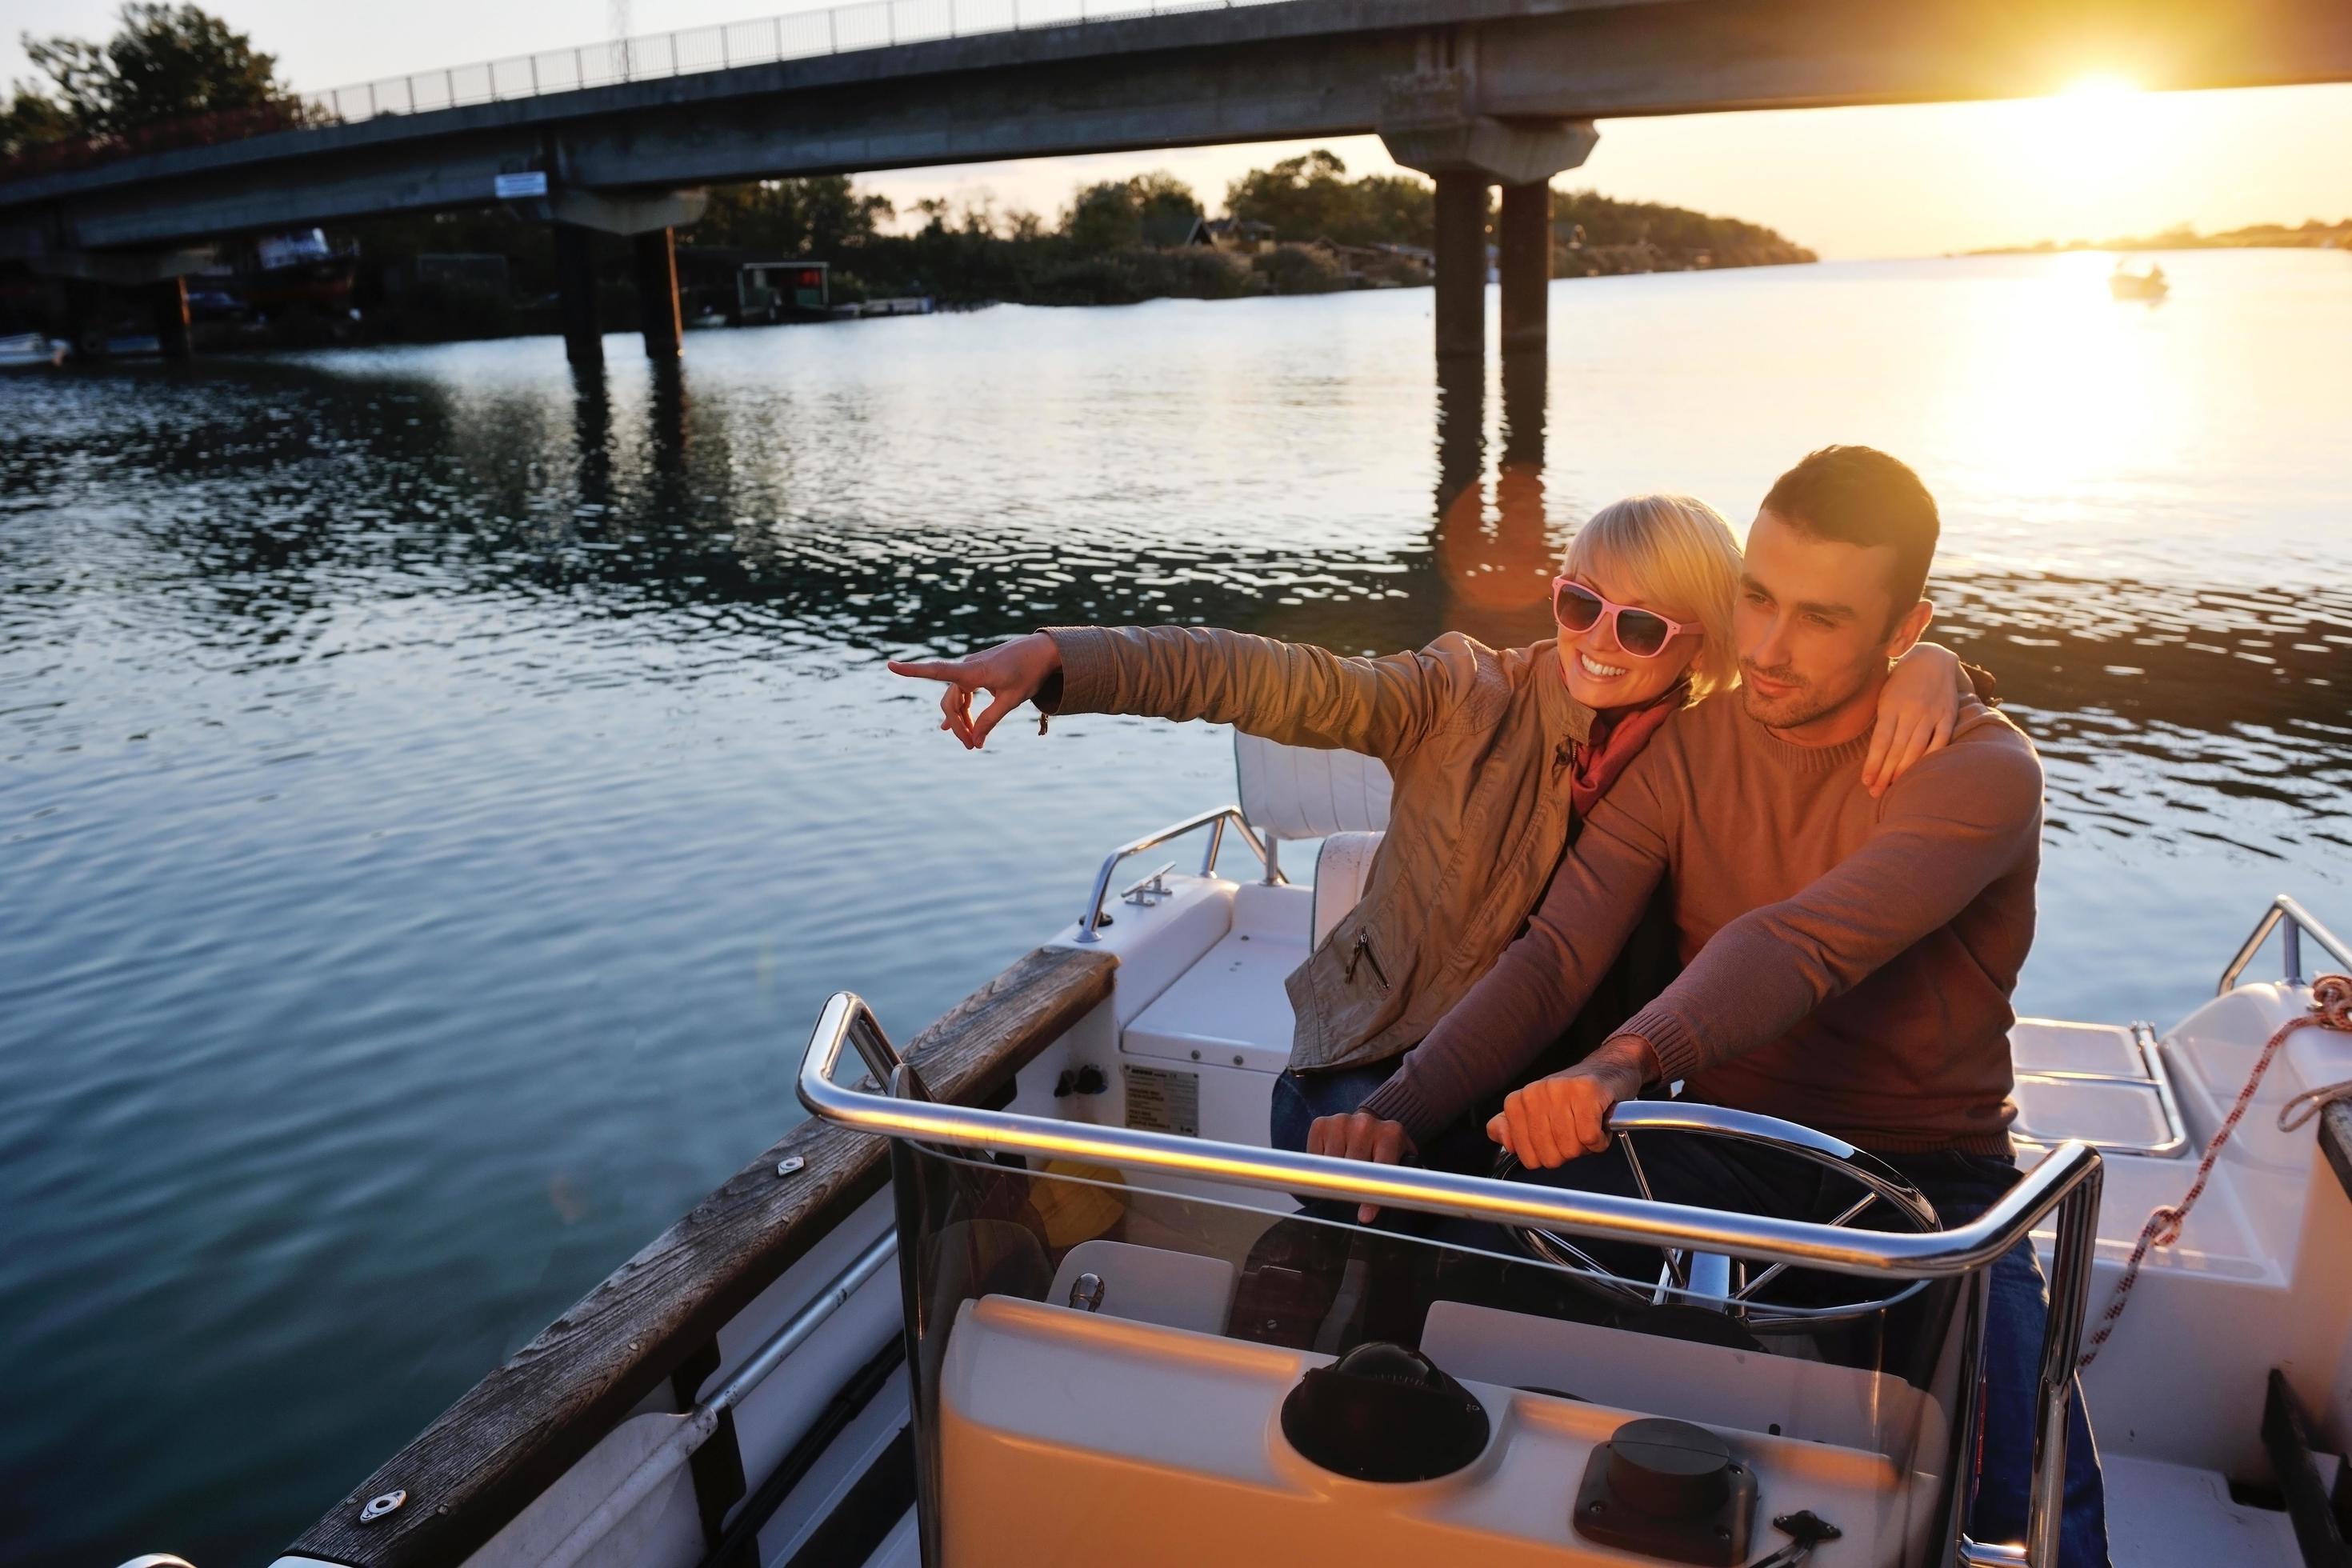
x=1360 y=1135
x=1554 y=1119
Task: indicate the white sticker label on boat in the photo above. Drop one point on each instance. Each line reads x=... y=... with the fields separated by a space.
x=513 y=187
x=1160 y=1100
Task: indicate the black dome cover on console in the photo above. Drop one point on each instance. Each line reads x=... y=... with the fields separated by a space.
x=1383 y=1413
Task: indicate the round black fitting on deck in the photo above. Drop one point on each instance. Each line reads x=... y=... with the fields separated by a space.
x=1668 y=1488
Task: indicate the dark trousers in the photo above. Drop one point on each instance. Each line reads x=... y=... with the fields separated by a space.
x=1710 y=1172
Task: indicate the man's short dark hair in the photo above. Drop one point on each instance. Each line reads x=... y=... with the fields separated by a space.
x=1859 y=495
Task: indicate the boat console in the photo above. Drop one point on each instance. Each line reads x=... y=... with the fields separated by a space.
x=1123 y=1352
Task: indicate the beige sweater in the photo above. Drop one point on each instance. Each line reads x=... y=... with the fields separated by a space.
x=1849 y=962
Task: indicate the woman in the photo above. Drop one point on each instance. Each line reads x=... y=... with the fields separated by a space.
x=1495 y=754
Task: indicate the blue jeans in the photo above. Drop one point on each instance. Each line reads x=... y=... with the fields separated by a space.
x=2020 y=1307
x=1299 y=1100
x=1960 y=1186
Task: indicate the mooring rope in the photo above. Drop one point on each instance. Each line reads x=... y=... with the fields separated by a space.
x=2331 y=1008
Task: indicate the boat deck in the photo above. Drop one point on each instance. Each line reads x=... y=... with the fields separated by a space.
x=2171 y=1516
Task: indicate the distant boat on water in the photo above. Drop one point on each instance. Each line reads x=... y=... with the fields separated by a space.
x=2124 y=283
x=29 y=351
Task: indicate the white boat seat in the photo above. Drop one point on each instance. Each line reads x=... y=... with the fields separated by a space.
x=2051 y=1045
x=2120 y=1117
x=1301 y=792
x=2090 y=1082
x=1341 y=868
x=1230 y=1009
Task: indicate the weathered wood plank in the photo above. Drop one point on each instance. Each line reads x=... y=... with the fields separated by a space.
x=2335 y=1140
x=510 y=1437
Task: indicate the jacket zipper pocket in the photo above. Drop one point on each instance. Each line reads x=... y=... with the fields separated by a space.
x=1362 y=953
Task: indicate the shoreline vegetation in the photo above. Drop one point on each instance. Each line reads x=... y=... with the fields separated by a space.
x=1299 y=227
x=2311 y=234
x=1302 y=225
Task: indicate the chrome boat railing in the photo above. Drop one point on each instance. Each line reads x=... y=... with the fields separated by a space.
x=1215 y=821
x=2067 y=1180
x=2300 y=922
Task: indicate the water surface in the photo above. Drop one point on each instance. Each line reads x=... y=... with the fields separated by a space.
x=436 y=792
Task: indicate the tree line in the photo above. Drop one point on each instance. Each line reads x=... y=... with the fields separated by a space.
x=165 y=68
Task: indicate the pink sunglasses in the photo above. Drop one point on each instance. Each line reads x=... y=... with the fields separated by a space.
x=1645 y=634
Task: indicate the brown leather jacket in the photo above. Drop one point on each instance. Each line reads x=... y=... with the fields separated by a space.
x=1478 y=741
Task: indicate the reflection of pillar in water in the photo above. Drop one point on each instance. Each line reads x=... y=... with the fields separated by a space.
x=592 y=435
x=1461 y=428
x=1523 y=556
x=666 y=413
x=1524 y=391
x=1523 y=545
x=1495 y=567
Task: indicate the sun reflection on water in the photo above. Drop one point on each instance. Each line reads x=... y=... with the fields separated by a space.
x=2082 y=416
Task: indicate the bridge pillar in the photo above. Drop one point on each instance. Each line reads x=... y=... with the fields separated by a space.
x=1461 y=256
x=1429 y=122
x=155 y=276
x=575 y=296
x=169 y=301
x=88 y=318
x=658 y=313
x=1523 y=256
x=648 y=220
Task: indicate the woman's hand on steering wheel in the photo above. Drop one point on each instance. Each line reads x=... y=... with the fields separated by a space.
x=1360 y=1135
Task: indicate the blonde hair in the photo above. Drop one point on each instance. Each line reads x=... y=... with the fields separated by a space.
x=1677 y=553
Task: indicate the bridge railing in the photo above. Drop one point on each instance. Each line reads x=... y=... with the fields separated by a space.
x=795 y=35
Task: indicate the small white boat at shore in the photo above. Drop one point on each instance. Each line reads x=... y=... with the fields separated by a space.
x=31 y=351
x=1035 y=1292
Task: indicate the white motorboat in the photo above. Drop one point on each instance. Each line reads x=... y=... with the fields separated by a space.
x=1034 y=1292
x=31 y=351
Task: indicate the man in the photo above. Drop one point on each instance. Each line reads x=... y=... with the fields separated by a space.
x=1848 y=959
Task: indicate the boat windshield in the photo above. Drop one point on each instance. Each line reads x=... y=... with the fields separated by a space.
x=1094 y=1349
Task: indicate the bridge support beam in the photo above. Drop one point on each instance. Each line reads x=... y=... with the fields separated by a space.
x=575 y=296
x=169 y=301
x=1430 y=122
x=1523 y=257
x=657 y=312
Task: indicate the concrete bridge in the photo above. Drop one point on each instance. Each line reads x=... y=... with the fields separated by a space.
x=1472 y=92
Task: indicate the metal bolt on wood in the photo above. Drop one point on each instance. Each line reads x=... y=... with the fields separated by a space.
x=377 y=1506
x=791 y=1165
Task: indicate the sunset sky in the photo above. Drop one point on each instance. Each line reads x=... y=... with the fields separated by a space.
x=2100 y=161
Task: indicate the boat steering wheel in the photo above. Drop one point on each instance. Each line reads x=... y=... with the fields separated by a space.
x=1711 y=1279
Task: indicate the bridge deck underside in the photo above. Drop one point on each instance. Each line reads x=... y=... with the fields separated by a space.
x=1309 y=68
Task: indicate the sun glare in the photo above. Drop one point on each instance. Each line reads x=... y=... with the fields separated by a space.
x=2099 y=87
x=2090 y=132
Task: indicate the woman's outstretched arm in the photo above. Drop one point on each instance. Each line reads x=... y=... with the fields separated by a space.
x=1292 y=693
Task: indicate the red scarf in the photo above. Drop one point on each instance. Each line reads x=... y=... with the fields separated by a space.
x=1615 y=740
